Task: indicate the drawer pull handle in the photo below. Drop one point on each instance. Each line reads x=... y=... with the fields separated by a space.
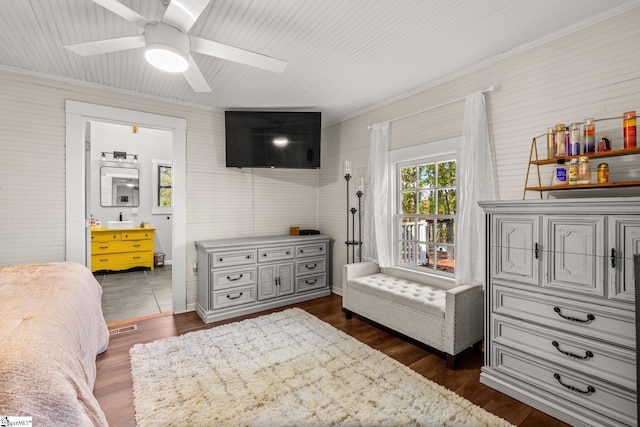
x=310 y=266
x=590 y=389
x=233 y=279
x=104 y=247
x=288 y=252
x=590 y=316
x=587 y=355
x=264 y=254
x=537 y=248
x=239 y=295
x=136 y=246
x=104 y=260
x=136 y=257
x=220 y=259
x=248 y=256
x=613 y=258
x=311 y=282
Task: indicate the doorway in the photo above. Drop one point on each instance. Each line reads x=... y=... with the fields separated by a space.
x=78 y=114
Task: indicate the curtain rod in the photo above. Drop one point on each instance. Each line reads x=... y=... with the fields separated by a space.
x=488 y=89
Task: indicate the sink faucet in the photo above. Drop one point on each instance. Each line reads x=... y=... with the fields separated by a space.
x=120 y=216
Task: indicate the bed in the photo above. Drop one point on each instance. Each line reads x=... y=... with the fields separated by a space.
x=51 y=330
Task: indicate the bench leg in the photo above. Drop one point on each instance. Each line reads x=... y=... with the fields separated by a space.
x=347 y=314
x=451 y=362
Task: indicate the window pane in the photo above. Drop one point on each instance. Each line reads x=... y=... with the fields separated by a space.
x=408 y=230
x=408 y=178
x=446 y=230
x=427 y=202
x=447 y=202
x=446 y=259
x=406 y=254
x=165 y=197
x=427 y=175
x=164 y=176
x=408 y=202
x=447 y=174
x=425 y=230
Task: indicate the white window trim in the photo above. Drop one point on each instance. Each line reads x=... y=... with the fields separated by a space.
x=445 y=147
x=155 y=209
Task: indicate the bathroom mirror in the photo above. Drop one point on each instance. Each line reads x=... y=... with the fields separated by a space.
x=119 y=187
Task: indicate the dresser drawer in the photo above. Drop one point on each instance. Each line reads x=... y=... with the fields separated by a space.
x=275 y=254
x=610 y=363
x=314 y=249
x=311 y=266
x=105 y=236
x=136 y=235
x=575 y=389
x=225 y=279
x=592 y=320
x=230 y=258
x=235 y=296
x=121 y=246
x=311 y=282
x=121 y=261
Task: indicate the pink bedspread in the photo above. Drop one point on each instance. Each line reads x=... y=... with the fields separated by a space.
x=51 y=329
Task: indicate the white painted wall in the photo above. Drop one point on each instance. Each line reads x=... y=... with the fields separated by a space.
x=148 y=144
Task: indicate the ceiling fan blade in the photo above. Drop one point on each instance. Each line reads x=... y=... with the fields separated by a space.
x=183 y=14
x=106 y=46
x=235 y=54
x=195 y=77
x=123 y=11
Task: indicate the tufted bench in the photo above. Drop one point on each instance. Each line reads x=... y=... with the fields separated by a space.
x=439 y=314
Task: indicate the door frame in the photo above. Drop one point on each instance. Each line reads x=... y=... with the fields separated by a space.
x=77 y=115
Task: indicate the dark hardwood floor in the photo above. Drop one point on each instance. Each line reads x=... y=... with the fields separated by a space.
x=113 y=387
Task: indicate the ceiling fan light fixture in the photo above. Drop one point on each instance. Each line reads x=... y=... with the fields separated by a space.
x=166 y=47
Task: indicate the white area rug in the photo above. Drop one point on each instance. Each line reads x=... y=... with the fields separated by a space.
x=286 y=368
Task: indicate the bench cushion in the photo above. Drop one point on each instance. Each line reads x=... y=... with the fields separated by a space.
x=422 y=297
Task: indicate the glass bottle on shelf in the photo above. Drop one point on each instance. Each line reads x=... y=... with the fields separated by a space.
x=551 y=143
x=589 y=136
x=604 y=144
x=573 y=171
x=574 y=139
x=629 y=129
x=560 y=140
x=584 y=170
x=560 y=172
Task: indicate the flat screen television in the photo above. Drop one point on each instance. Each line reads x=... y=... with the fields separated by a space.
x=273 y=139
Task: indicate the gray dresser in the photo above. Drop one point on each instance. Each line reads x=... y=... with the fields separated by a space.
x=247 y=275
x=560 y=324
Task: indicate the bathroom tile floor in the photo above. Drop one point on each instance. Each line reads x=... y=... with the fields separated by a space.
x=126 y=295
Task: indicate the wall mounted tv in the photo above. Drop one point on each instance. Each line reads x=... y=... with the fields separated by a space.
x=273 y=139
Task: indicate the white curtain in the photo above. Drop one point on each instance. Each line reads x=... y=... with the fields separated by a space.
x=376 y=244
x=475 y=174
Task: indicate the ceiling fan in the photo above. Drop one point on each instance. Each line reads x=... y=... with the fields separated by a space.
x=167 y=44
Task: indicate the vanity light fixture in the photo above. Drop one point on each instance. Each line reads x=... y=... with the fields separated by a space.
x=119 y=156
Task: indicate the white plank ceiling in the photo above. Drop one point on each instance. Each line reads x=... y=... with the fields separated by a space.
x=344 y=56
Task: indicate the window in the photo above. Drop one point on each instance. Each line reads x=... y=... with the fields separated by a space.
x=162 y=187
x=425 y=213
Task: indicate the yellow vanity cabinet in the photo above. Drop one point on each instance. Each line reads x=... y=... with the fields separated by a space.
x=121 y=249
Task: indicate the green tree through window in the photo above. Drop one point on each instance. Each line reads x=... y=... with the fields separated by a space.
x=164 y=185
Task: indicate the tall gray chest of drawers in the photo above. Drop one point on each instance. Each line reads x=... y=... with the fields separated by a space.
x=247 y=275
x=560 y=325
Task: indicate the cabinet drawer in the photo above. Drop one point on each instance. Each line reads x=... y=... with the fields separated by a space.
x=224 y=279
x=121 y=246
x=311 y=266
x=311 y=282
x=314 y=249
x=230 y=258
x=275 y=254
x=587 y=319
x=136 y=235
x=574 y=388
x=610 y=363
x=121 y=261
x=105 y=237
x=235 y=296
